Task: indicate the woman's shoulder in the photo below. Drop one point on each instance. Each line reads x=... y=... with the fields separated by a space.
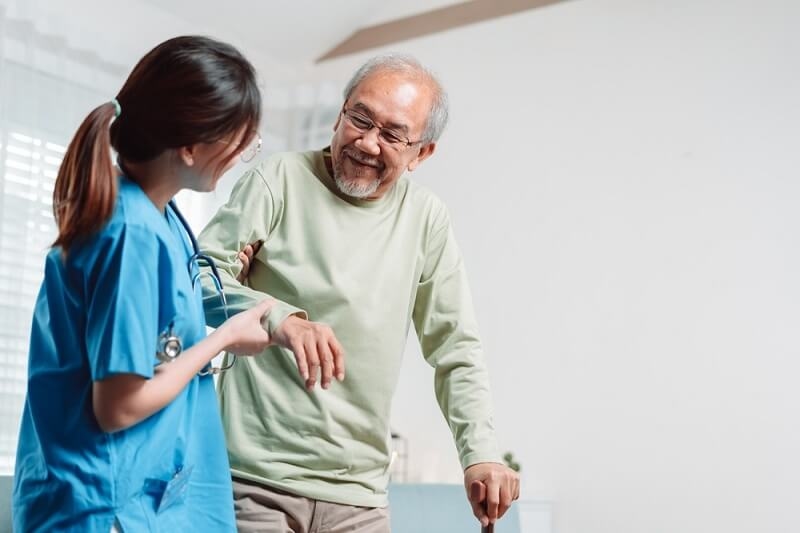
x=135 y=209
x=135 y=224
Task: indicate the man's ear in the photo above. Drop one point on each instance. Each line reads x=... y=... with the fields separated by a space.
x=186 y=153
x=424 y=153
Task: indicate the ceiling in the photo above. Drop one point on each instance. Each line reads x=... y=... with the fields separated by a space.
x=292 y=32
x=282 y=36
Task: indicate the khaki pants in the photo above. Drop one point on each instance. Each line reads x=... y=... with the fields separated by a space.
x=260 y=509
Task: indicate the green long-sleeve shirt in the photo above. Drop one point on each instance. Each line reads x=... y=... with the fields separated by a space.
x=367 y=269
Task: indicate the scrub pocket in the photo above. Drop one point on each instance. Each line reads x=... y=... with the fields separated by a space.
x=169 y=493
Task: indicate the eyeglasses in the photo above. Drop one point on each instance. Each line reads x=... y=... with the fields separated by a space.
x=386 y=136
x=251 y=150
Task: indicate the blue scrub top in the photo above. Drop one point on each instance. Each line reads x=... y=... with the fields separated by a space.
x=98 y=314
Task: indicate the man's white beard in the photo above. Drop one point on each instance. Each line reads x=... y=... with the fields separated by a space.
x=354 y=189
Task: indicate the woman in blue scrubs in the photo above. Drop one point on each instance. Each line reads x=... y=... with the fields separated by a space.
x=116 y=435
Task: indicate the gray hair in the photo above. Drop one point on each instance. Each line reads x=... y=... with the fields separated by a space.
x=437 y=116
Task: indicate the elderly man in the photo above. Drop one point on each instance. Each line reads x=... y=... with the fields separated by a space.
x=352 y=252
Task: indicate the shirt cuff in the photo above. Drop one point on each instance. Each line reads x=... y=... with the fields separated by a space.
x=474 y=458
x=280 y=312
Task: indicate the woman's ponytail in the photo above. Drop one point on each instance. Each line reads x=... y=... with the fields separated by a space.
x=86 y=186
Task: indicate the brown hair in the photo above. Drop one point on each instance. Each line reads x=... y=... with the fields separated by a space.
x=187 y=90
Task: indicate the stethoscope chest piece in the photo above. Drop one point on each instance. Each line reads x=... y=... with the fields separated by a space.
x=169 y=346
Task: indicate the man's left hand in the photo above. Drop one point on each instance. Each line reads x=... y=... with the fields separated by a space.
x=491 y=487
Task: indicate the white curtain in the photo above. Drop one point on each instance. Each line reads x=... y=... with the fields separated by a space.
x=47 y=87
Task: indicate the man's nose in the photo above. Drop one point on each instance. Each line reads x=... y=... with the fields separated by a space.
x=369 y=142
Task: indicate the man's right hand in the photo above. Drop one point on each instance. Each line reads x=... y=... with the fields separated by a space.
x=315 y=348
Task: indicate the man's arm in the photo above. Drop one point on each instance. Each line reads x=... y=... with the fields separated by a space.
x=248 y=218
x=445 y=322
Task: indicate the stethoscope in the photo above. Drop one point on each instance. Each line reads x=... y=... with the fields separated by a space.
x=170 y=345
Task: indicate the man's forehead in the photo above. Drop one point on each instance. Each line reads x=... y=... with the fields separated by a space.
x=391 y=94
x=394 y=81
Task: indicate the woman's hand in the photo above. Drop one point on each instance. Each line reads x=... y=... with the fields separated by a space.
x=244 y=333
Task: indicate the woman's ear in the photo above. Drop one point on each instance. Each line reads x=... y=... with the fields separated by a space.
x=186 y=153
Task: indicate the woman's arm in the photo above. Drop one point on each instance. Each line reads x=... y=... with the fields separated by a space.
x=123 y=400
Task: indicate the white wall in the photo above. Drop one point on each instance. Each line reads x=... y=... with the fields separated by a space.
x=623 y=176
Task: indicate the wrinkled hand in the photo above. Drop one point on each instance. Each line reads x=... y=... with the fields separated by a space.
x=491 y=487
x=246 y=258
x=245 y=334
x=315 y=349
